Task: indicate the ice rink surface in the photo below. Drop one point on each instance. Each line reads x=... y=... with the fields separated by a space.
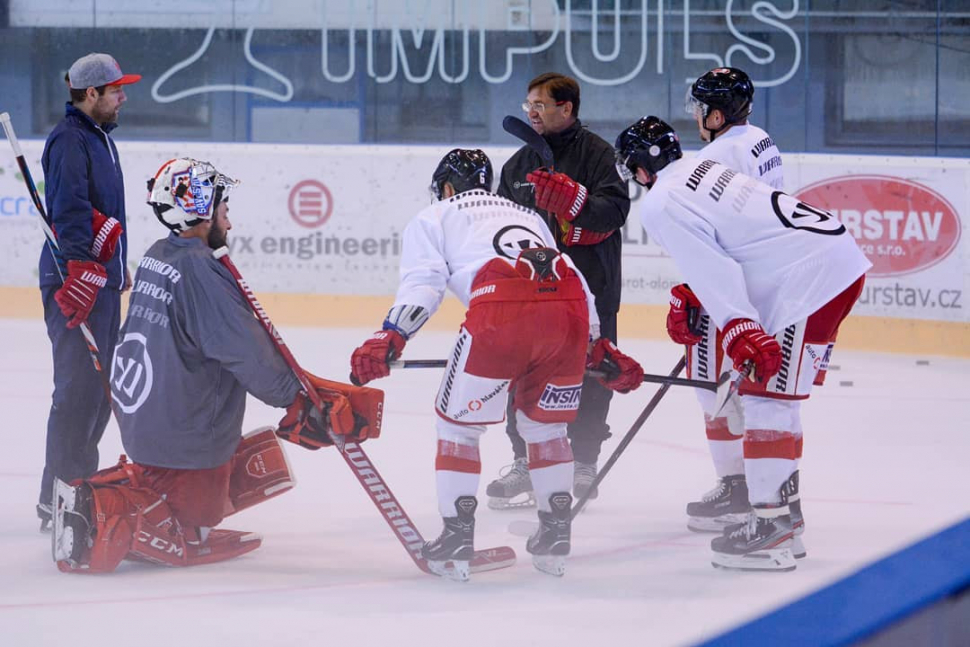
x=885 y=464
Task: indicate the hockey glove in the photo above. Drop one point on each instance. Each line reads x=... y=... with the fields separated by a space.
x=106 y=232
x=350 y=411
x=746 y=341
x=623 y=373
x=682 y=317
x=558 y=193
x=369 y=361
x=80 y=290
x=573 y=235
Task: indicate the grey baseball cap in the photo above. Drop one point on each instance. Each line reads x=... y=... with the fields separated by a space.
x=95 y=70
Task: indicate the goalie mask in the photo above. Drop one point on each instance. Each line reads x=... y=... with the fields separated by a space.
x=650 y=144
x=465 y=169
x=185 y=192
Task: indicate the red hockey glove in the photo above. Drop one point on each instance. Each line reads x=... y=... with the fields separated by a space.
x=682 y=317
x=558 y=193
x=106 y=232
x=623 y=373
x=352 y=411
x=369 y=361
x=80 y=290
x=573 y=235
x=746 y=341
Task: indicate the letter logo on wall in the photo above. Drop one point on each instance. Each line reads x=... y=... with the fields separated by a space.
x=131 y=373
x=901 y=226
x=310 y=203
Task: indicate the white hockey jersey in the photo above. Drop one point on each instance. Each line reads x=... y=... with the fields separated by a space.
x=449 y=241
x=749 y=150
x=746 y=249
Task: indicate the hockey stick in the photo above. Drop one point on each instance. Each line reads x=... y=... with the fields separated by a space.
x=527 y=528
x=365 y=471
x=647 y=377
x=523 y=131
x=54 y=248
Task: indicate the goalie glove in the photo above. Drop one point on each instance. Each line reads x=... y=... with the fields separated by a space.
x=682 y=316
x=106 y=232
x=351 y=411
x=558 y=193
x=80 y=290
x=746 y=341
x=623 y=373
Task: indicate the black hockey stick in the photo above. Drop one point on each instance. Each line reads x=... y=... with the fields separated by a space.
x=518 y=128
x=527 y=528
x=54 y=248
x=362 y=467
x=647 y=377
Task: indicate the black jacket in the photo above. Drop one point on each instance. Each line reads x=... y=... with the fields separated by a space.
x=588 y=159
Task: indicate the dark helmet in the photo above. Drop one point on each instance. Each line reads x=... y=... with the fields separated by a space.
x=650 y=144
x=465 y=169
x=727 y=89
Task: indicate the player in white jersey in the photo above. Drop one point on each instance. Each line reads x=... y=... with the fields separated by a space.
x=529 y=323
x=777 y=276
x=721 y=101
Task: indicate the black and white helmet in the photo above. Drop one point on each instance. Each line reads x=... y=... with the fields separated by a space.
x=185 y=192
x=465 y=169
x=650 y=144
x=727 y=89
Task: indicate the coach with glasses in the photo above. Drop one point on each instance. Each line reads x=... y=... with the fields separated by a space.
x=584 y=202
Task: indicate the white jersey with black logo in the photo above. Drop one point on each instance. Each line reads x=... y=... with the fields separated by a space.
x=748 y=250
x=446 y=244
x=749 y=150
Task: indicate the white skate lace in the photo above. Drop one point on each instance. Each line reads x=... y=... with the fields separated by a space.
x=715 y=493
x=584 y=472
x=514 y=473
x=748 y=529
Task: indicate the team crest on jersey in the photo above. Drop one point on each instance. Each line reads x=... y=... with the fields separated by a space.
x=131 y=373
x=560 y=398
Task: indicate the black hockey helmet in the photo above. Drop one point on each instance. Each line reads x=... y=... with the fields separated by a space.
x=727 y=89
x=650 y=144
x=465 y=169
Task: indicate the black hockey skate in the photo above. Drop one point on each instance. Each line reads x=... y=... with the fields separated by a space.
x=512 y=489
x=723 y=506
x=549 y=546
x=71 y=517
x=44 y=514
x=763 y=543
x=449 y=554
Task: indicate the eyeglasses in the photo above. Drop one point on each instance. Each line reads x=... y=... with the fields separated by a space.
x=538 y=106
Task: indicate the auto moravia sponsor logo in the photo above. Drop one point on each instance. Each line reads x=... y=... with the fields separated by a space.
x=901 y=226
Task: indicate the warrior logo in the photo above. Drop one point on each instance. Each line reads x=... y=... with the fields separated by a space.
x=131 y=373
x=560 y=398
x=511 y=240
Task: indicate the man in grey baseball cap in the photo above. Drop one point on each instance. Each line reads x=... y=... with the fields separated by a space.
x=95 y=70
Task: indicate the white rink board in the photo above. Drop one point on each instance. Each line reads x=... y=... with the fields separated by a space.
x=328 y=220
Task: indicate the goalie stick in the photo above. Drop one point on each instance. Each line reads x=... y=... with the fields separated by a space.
x=362 y=467
x=528 y=528
x=54 y=248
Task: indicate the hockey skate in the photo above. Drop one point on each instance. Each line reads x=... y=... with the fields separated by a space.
x=725 y=505
x=449 y=555
x=763 y=543
x=583 y=476
x=44 y=514
x=513 y=489
x=71 y=517
x=789 y=492
x=549 y=546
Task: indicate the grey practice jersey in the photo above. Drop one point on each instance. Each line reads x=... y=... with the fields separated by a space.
x=187 y=354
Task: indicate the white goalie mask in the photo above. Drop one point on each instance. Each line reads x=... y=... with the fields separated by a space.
x=185 y=192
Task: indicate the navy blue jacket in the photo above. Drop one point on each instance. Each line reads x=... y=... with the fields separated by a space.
x=81 y=171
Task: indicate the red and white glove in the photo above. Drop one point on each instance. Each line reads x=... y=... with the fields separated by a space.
x=746 y=341
x=369 y=360
x=80 y=290
x=573 y=235
x=106 y=232
x=682 y=317
x=623 y=373
x=351 y=411
x=558 y=193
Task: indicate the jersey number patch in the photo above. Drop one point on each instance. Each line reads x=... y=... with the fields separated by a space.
x=797 y=215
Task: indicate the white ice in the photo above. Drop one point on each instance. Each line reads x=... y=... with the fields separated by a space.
x=885 y=464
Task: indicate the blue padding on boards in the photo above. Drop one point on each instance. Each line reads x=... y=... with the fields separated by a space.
x=868 y=601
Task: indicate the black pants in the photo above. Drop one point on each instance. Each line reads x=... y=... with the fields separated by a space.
x=588 y=431
x=80 y=408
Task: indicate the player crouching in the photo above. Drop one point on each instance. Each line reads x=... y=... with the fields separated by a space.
x=189 y=352
x=525 y=336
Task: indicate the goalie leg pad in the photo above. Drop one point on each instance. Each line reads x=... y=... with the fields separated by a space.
x=260 y=471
